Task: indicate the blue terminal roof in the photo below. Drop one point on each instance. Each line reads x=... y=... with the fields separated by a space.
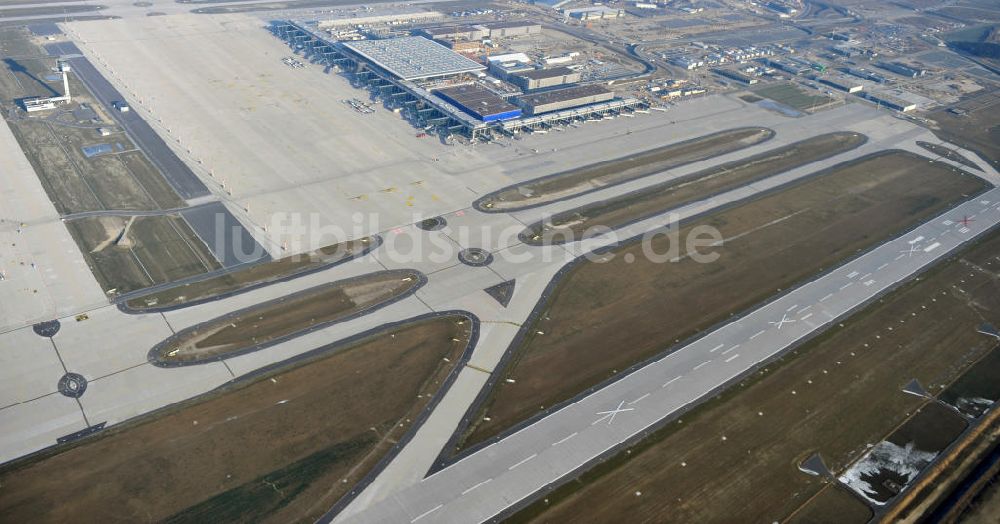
x=479 y=102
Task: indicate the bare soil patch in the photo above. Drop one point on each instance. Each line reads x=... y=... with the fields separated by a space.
x=283 y=318
x=892 y=464
x=978 y=389
x=152 y=250
x=248 y=278
x=978 y=129
x=122 y=179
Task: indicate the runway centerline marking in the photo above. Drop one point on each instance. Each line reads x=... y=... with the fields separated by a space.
x=522 y=462
x=732 y=358
x=827 y=297
x=556 y=443
x=466 y=492
x=847 y=285
x=428 y=512
x=671 y=381
x=757 y=334
x=638 y=399
x=716 y=348
x=699 y=366
x=730 y=349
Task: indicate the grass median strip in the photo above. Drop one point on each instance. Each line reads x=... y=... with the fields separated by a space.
x=837 y=395
x=602 y=318
x=580 y=181
x=619 y=211
x=252 y=277
x=283 y=446
x=287 y=317
x=948 y=153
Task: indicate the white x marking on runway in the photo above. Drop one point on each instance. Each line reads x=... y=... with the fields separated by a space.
x=610 y=414
x=784 y=320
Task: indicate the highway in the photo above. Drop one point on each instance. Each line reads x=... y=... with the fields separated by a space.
x=497 y=478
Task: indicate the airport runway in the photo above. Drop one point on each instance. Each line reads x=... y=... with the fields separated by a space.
x=499 y=477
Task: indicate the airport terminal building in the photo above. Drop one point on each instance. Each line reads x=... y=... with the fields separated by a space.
x=440 y=89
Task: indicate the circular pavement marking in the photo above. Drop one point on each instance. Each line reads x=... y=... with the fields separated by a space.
x=72 y=385
x=48 y=328
x=433 y=224
x=475 y=257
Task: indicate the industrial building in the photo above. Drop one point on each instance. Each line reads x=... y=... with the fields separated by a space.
x=509 y=57
x=561 y=59
x=846 y=50
x=787 y=66
x=594 y=13
x=479 y=102
x=509 y=29
x=784 y=10
x=891 y=102
x=504 y=66
x=843 y=83
x=453 y=32
x=736 y=75
x=507 y=70
x=866 y=75
x=901 y=69
x=412 y=57
x=542 y=78
x=536 y=104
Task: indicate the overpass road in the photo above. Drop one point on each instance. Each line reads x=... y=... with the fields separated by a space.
x=499 y=477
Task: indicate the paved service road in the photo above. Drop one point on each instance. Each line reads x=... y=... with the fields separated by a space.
x=178 y=174
x=492 y=480
x=224 y=235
